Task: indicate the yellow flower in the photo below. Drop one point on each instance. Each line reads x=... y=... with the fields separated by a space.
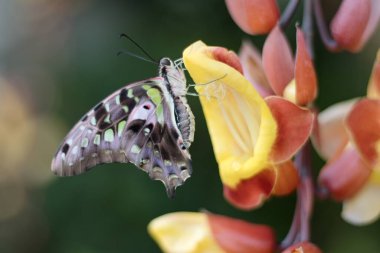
x=242 y=128
x=190 y=232
x=252 y=137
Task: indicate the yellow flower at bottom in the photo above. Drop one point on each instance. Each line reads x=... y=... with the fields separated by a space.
x=184 y=232
x=187 y=232
x=242 y=128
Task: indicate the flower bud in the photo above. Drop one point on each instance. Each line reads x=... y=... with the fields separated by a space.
x=345 y=175
x=350 y=22
x=254 y=16
x=278 y=61
x=304 y=73
x=237 y=236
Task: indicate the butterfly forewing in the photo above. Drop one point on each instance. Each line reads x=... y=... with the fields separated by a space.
x=135 y=124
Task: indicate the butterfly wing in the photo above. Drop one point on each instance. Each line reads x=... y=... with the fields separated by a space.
x=135 y=124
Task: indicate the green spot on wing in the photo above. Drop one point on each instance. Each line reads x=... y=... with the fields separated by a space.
x=120 y=127
x=146 y=86
x=130 y=93
x=97 y=139
x=135 y=149
x=93 y=121
x=84 y=143
x=154 y=95
x=109 y=135
x=107 y=119
x=160 y=114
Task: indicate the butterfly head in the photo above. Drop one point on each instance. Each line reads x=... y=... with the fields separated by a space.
x=174 y=76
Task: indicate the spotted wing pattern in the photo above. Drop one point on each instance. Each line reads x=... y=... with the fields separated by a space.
x=135 y=124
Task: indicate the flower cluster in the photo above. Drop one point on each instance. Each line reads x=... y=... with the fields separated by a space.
x=260 y=114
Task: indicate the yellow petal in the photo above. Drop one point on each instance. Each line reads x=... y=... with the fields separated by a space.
x=183 y=232
x=364 y=207
x=241 y=126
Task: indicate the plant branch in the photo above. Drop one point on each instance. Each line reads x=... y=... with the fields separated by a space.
x=300 y=228
x=288 y=13
x=307 y=26
x=327 y=40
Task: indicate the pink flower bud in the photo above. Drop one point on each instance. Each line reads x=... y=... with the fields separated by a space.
x=278 y=61
x=350 y=23
x=345 y=175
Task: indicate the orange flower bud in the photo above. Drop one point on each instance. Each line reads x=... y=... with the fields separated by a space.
x=287 y=179
x=303 y=247
x=254 y=16
x=278 y=61
x=305 y=77
x=237 y=236
x=350 y=22
x=364 y=125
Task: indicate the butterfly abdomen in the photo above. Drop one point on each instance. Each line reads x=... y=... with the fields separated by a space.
x=185 y=121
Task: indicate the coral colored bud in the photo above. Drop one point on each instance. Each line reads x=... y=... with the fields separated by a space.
x=303 y=247
x=345 y=175
x=350 y=22
x=251 y=193
x=364 y=125
x=287 y=179
x=306 y=79
x=237 y=236
x=254 y=16
x=278 y=61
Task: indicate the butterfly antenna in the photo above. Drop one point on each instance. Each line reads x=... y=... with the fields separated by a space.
x=136 y=56
x=123 y=35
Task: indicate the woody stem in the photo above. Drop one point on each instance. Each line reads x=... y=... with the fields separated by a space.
x=327 y=40
x=300 y=228
x=307 y=25
x=288 y=13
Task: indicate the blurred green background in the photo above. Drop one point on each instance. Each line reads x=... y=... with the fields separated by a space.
x=58 y=59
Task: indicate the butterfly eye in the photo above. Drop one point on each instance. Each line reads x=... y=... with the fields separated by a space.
x=165 y=62
x=146 y=107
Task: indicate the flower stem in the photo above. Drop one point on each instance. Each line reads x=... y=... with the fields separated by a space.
x=288 y=13
x=307 y=25
x=300 y=228
x=327 y=40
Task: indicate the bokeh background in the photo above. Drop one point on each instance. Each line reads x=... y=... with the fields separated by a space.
x=58 y=59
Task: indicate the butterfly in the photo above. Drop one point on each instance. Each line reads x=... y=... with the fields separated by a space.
x=147 y=123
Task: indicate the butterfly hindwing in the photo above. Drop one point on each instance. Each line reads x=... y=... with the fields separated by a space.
x=135 y=124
